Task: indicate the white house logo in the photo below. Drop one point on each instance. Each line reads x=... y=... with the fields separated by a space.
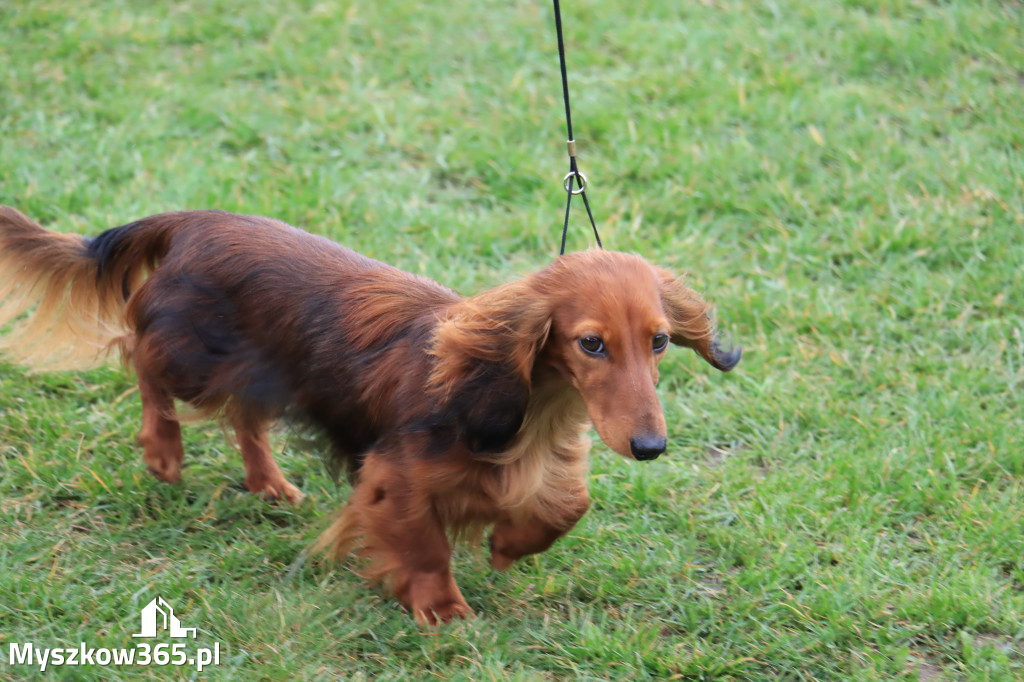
x=157 y=618
x=158 y=613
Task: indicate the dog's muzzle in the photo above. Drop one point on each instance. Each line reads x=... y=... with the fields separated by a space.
x=646 y=447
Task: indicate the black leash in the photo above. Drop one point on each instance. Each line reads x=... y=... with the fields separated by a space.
x=574 y=176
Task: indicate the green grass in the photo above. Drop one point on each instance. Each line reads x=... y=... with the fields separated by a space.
x=843 y=179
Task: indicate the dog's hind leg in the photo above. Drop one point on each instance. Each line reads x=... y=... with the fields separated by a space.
x=403 y=538
x=160 y=436
x=262 y=475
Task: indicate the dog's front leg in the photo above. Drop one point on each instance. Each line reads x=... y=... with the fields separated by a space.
x=522 y=534
x=405 y=541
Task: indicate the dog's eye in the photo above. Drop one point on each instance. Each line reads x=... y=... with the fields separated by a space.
x=592 y=345
x=659 y=343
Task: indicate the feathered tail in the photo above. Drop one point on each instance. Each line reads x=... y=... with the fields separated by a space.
x=64 y=294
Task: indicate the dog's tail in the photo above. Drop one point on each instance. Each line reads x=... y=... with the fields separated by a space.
x=72 y=288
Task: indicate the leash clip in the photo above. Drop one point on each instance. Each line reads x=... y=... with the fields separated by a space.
x=581 y=180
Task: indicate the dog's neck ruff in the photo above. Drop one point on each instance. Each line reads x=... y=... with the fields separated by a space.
x=550 y=453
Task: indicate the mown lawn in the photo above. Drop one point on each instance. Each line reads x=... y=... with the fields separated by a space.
x=844 y=181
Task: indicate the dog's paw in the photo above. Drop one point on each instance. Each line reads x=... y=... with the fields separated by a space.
x=277 y=490
x=166 y=473
x=501 y=562
x=432 y=597
x=438 y=614
x=163 y=465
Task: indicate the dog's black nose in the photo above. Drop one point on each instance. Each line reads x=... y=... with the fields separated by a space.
x=646 y=447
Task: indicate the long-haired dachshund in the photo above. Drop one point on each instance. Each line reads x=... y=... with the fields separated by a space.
x=452 y=414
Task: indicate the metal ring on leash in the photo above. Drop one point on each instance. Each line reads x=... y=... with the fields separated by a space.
x=567 y=182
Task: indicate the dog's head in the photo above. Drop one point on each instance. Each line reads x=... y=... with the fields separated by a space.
x=615 y=318
x=604 y=320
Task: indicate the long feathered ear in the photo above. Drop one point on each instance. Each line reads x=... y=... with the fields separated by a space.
x=483 y=358
x=690 y=323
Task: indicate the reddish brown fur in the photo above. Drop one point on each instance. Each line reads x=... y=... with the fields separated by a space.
x=453 y=414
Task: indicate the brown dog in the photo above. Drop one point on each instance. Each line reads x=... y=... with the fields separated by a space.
x=452 y=414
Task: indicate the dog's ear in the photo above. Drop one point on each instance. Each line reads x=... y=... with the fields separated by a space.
x=690 y=323
x=484 y=353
